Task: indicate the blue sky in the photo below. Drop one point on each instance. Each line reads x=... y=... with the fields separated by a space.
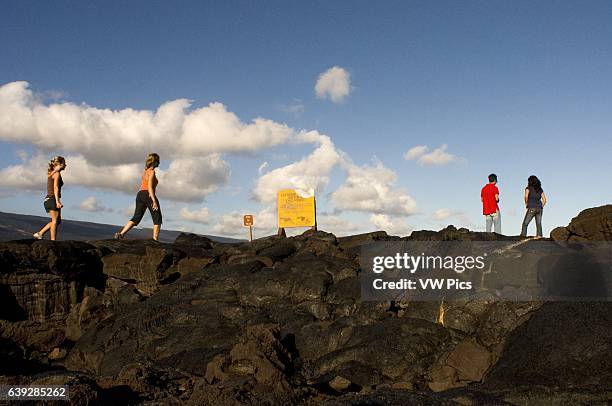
x=515 y=88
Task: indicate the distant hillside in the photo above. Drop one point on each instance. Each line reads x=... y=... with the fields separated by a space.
x=20 y=226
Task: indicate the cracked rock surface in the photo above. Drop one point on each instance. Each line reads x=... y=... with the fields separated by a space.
x=280 y=321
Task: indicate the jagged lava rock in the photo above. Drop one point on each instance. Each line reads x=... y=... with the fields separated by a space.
x=594 y=224
x=281 y=321
x=41 y=280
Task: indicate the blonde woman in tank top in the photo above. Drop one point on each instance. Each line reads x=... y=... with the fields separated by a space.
x=146 y=199
x=53 y=204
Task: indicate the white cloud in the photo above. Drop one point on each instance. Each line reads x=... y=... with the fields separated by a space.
x=113 y=137
x=443 y=214
x=213 y=129
x=201 y=216
x=415 y=152
x=30 y=175
x=334 y=83
x=392 y=225
x=129 y=211
x=91 y=204
x=186 y=180
x=310 y=173
x=438 y=156
x=192 y=179
x=123 y=178
x=265 y=222
x=336 y=225
x=230 y=224
x=185 y=229
x=371 y=189
x=106 y=148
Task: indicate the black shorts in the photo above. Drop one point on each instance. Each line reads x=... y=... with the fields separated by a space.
x=143 y=202
x=49 y=204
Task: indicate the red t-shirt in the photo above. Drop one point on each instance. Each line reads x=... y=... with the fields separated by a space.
x=489 y=204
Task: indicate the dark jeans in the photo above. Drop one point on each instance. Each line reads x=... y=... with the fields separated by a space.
x=530 y=214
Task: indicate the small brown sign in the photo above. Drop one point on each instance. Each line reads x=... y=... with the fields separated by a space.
x=247 y=220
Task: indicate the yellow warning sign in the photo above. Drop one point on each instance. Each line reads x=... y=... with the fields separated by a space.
x=294 y=210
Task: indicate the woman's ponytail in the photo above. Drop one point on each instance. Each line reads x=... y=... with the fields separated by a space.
x=152 y=161
x=54 y=161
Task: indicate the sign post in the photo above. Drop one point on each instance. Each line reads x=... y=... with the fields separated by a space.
x=247 y=221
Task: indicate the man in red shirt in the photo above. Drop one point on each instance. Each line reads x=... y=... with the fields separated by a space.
x=489 y=195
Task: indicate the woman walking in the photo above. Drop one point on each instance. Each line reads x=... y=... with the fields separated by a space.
x=535 y=200
x=53 y=204
x=146 y=199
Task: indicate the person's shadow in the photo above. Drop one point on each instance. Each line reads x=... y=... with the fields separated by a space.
x=579 y=273
x=9 y=307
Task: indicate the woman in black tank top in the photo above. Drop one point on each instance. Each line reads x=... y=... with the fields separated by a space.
x=53 y=204
x=535 y=200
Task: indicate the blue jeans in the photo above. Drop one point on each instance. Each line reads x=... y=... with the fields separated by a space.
x=529 y=215
x=493 y=219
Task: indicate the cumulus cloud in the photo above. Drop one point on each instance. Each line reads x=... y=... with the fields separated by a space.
x=92 y=205
x=192 y=179
x=186 y=229
x=214 y=129
x=129 y=211
x=437 y=157
x=29 y=175
x=230 y=224
x=311 y=173
x=415 y=152
x=106 y=148
x=336 y=225
x=201 y=216
x=392 y=225
x=372 y=189
x=443 y=214
x=369 y=189
x=113 y=137
x=124 y=178
x=185 y=180
x=334 y=84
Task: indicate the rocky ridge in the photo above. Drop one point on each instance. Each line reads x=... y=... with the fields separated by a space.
x=280 y=321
